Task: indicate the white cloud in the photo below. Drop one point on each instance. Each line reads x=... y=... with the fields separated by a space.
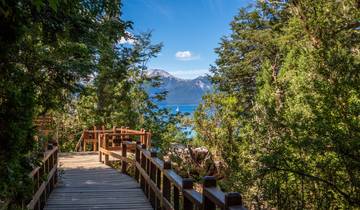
x=127 y=39
x=124 y=40
x=183 y=54
x=186 y=56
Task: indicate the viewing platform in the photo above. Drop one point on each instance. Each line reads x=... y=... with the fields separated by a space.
x=140 y=180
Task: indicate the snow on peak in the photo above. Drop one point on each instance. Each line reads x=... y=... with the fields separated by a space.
x=158 y=73
x=201 y=84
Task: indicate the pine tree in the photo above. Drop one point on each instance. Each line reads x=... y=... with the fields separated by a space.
x=293 y=67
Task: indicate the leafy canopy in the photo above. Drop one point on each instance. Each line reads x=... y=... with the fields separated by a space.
x=292 y=70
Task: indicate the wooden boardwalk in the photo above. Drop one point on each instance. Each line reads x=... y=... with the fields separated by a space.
x=85 y=183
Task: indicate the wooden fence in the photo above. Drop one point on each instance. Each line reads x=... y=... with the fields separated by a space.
x=115 y=136
x=163 y=187
x=44 y=178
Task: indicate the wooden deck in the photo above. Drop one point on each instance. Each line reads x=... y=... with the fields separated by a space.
x=85 y=183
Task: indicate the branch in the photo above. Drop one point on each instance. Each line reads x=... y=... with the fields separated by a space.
x=345 y=195
x=349 y=26
x=299 y=10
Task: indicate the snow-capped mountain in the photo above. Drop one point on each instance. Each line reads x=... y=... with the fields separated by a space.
x=159 y=73
x=180 y=91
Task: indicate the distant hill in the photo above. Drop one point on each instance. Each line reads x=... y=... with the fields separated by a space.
x=180 y=91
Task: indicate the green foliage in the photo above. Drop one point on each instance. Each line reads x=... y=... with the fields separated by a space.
x=288 y=78
x=116 y=95
x=47 y=49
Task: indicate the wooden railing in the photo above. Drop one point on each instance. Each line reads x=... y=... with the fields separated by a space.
x=164 y=188
x=80 y=141
x=121 y=134
x=44 y=178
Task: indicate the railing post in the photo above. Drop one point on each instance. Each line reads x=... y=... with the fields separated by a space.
x=47 y=166
x=148 y=138
x=209 y=181
x=56 y=162
x=106 y=141
x=232 y=199
x=52 y=184
x=166 y=185
x=158 y=184
x=176 y=197
x=145 y=139
x=187 y=184
x=84 y=145
x=142 y=136
x=55 y=165
x=95 y=134
x=152 y=171
x=124 y=155
x=137 y=159
x=99 y=145
x=122 y=131
x=143 y=166
x=113 y=137
x=147 y=169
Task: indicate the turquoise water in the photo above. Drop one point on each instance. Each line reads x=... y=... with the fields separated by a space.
x=183 y=108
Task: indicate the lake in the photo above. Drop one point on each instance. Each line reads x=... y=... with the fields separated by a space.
x=183 y=108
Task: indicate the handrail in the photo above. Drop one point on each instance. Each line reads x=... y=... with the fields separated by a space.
x=43 y=186
x=91 y=136
x=78 y=144
x=164 y=188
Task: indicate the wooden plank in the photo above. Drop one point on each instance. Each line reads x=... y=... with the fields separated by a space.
x=215 y=195
x=174 y=178
x=116 y=155
x=152 y=170
x=110 y=133
x=88 y=184
x=194 y=196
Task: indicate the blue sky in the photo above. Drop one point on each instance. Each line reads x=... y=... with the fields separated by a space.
x=189 y=30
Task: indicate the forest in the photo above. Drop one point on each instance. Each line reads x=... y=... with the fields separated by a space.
x=282 y=126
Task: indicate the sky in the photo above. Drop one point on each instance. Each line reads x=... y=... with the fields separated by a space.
x=190 y=30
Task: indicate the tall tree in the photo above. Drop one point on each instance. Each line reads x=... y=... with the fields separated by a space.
x=117 y=93
x=47 y=48
x=293 y=67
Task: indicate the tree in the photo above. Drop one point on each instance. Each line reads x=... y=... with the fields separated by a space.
x=47 y=48
x=117 y=94
x=293 y=68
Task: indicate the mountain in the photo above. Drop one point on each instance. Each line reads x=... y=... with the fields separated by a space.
x=180 y=91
